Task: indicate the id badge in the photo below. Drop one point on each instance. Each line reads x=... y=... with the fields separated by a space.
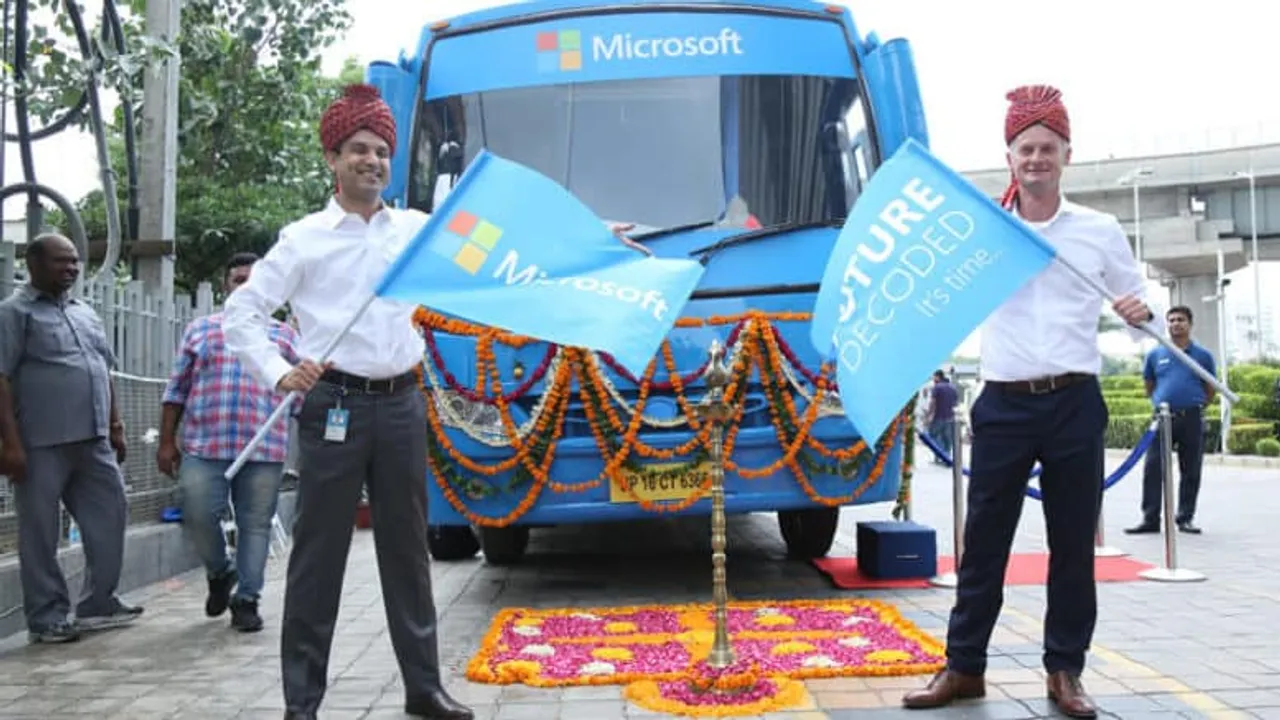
x=335 y=426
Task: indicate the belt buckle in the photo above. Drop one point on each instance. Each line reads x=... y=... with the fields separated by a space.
x=1050 y=384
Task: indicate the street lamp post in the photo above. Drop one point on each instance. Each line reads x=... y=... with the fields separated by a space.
x=1253 y=243
x=1131 y=178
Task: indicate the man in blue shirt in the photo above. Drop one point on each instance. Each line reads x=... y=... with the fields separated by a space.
x=1169 y=381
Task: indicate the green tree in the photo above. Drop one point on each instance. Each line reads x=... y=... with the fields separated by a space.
x=250 y=95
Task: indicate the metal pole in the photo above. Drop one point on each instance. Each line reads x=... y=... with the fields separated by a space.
x=1100 y=547
x=280 y=411
x=1224 y=358
x=1170 y=572
x=951 y=579
x=1137 y=223
x=1168 y=344
x=1257 y=279
x=715 y=410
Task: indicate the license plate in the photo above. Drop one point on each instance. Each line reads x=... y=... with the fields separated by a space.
x=670 y=481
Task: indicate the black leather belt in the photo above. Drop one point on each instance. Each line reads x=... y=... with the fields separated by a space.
x=372 y=386
x=1040 y=386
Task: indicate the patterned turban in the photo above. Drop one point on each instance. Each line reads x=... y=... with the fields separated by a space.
x=360 y=108
x=1033 y=105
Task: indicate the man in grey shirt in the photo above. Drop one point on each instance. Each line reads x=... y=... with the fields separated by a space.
x=61 y=439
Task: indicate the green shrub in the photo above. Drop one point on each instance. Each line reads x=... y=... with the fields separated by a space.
x=1244 y=437
x=1268 y=447
x=1129 y=406
x=1121 y=382
x=1123 y=431
x=1251 y=378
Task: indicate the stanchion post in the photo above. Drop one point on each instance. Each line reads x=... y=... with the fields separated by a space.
x=1100 y=547
x=1170 y=572
x=952 y=579
x=714 y=409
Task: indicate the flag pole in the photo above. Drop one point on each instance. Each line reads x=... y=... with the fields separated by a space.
x=280 y=410
x=1184 y=358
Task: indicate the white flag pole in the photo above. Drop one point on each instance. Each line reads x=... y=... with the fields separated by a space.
x=1184 y=358
x=280 y=411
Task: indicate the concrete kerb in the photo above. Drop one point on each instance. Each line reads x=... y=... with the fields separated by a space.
x=152 y=554
x=1244 y=461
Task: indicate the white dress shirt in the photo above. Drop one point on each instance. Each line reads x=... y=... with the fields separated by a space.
x=326 y=266
x=1050 y=326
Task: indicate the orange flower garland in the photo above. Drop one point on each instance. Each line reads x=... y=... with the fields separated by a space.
x=758 y=352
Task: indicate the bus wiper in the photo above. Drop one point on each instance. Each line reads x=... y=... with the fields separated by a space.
x=672 y=230
x=710 y=250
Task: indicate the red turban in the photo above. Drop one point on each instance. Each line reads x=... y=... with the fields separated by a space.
x=1033 y=105
x=360 y=108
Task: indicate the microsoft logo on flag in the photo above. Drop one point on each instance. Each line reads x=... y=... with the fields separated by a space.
x=559 y=51
x=469 y=241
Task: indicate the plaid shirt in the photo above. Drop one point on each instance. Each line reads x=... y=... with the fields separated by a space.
x=225 y=404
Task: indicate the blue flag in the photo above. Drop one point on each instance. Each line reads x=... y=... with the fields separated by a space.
x=923 y=259
x=510 y=248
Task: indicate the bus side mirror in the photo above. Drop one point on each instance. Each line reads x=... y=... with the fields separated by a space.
x=399 y=91
x=890 y=73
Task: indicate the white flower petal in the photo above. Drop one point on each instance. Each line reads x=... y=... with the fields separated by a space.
x=527 y=630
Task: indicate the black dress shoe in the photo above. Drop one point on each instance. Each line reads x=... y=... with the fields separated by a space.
x=1145 y=528
x=437 y=705
x=1187 y=527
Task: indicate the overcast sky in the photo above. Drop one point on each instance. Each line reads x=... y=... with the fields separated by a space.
x=1138 y=76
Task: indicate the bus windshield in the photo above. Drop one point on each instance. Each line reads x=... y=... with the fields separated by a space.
x=660 y=153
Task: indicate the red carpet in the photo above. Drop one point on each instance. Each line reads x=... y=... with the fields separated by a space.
x=1024 y=569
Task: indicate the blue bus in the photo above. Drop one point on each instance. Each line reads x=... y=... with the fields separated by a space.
x=737 y=132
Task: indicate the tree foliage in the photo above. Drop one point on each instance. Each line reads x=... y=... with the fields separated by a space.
x=251 y=92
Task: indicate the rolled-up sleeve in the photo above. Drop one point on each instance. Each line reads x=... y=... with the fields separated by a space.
x=1123 y=276
x=246 y=314
x=13 y=337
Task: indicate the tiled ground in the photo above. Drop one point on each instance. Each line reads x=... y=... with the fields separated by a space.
x=1207 y=649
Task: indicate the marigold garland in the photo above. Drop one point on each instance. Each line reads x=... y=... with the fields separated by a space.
x=658 y=652
x=759 y=349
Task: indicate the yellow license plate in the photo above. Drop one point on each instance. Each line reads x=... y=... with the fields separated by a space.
x=673 y=481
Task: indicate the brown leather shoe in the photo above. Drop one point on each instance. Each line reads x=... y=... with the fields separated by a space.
x=1068 y=694
x=945 y=687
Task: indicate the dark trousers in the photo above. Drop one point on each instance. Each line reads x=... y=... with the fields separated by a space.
x=385 y=448
x=1187 y=432
x=1063 y=430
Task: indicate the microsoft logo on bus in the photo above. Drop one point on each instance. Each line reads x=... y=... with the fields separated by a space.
x=469 y=241
x=562 y=50
x=559 y=51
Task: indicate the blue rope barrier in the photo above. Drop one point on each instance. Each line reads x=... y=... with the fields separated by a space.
x=1144 y=443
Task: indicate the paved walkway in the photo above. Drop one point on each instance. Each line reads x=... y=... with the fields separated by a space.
x=1207 y=649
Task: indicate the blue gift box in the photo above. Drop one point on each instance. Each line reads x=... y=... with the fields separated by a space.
x=890 y=550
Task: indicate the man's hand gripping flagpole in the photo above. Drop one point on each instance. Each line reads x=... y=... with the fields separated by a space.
x=283 y=408
x=1177 y=352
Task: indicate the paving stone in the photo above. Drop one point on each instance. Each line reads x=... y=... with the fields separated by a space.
x=1160 y=651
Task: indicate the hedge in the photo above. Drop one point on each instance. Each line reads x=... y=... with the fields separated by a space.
x=1254 y=418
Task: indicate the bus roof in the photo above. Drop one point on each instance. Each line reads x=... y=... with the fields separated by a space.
x=535 y=7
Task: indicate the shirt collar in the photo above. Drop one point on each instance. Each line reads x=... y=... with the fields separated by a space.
x=31 y=292
x=1065 y=208
x=335 y=215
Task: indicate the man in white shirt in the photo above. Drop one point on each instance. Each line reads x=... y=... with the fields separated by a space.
x=1041 y=401
x=362 y=420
